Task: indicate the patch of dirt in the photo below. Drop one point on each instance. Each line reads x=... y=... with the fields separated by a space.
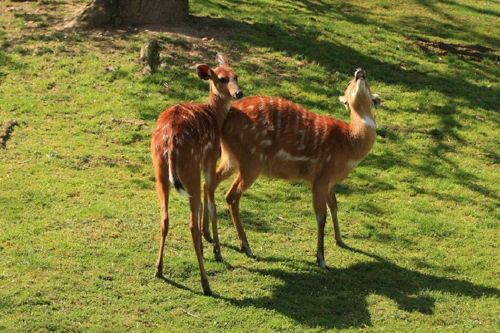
x=139 y=123
x=474 y=50
x=103 y=160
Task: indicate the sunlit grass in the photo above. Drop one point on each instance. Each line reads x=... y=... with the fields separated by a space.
x=78 y=208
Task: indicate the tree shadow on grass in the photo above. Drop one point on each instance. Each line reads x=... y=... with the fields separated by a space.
x=431 y=5
x=335 y=56
x=337 y=299
x=305 y=43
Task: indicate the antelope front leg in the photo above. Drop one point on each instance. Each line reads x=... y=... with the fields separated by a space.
x=332 y=204
x=319 y=203
x=233 y=197
x=212 y=213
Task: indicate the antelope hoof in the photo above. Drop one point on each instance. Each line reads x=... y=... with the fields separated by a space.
x=217 y=253
x=321 y=262
x=207 y=236
x=159 y=272
x=245 y=247
x=206 y=288
x=342 y=244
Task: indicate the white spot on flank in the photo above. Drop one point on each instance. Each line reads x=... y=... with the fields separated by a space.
x=207 y=147
x=252 y=150
x=288 y=157
x=241 y=136
x=164 y=137
x=254 y=127
x=245 y=126
x=187 y=109
x=266 y=143
x=368 y=121
x=250 y=108
x=320 y=126
x=328 y=158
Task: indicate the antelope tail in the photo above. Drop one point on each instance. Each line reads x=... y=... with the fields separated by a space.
x=173 y=176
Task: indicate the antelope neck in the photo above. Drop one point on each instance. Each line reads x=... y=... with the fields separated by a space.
x=362 y=129
x=220 y=106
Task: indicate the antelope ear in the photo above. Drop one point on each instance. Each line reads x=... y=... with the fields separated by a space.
x=344 y=101
x=376 y=100
x=221 y=59
x=204 y=72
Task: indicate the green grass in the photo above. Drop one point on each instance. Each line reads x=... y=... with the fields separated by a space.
x=79 y=216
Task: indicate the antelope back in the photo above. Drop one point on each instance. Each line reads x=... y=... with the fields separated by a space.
x=283 y=138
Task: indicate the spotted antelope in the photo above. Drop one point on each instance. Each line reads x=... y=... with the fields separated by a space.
x=281 y=139
x=185 y=142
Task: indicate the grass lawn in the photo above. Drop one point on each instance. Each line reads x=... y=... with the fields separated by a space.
x=79 y=214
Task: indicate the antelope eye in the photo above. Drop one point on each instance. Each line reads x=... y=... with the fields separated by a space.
x=223 y=80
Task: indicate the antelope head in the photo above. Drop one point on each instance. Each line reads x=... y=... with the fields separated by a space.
x=358 y=93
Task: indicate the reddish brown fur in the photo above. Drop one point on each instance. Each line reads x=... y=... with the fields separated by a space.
x=185 y=142
x=281 y=139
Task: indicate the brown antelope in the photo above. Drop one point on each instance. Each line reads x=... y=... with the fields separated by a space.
x=281 y=139
x=185 y=141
